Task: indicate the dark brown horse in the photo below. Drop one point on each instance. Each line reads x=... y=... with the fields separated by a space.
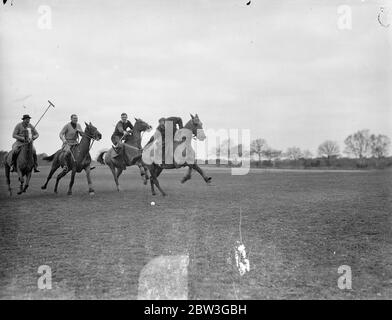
x=79 y=161
x=24 y=164
x=132 y=151
x=192 y=129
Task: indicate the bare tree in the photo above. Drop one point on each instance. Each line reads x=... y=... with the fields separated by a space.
x=328 y=149
x=307 y=154
x=294 y=153
x=223 y=150
x=258 y=146
x=358 y=144
x=271 y=154
x=379 y=145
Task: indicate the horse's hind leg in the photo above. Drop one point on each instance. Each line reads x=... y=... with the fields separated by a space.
x=147 y=177
x=187 y=176
x=143 y=172
x=71 y=183
x=152 y=175
x=201 y=172
x=7 y=174
x=55 y=166
x=59 y=176
x=115 y=177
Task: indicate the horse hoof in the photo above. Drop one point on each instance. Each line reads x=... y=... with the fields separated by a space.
x=20 y=192
x=69 y=193
x=92 y=193
x=208 y=180
x=43 y=187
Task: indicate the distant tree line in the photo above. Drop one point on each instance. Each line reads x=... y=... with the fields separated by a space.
x=361 y=150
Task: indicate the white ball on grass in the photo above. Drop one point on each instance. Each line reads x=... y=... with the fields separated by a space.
x=152 y=203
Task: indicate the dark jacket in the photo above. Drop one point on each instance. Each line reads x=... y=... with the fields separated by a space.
x=177 y=121
x=121 y=127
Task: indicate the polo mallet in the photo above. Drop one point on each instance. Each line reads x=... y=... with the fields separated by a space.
x=50 y=105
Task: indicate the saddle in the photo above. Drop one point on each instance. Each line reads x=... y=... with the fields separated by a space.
x=127 y=153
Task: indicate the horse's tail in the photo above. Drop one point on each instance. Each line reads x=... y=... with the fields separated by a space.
x=50 y=158
x=100 y=157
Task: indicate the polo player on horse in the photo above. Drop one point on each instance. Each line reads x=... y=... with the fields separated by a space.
x=119 y=133
x=69 y=135
x=160 y=131
x=19 y=135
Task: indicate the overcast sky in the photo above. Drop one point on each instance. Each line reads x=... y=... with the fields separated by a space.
x=279 y=68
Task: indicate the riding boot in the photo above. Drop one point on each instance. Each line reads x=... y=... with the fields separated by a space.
x=117 y=150
x=35 y=163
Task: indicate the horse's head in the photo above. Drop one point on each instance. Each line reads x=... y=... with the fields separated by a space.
x=28 y=135
x=92 y=132
x=141 y=125
x=196 y=126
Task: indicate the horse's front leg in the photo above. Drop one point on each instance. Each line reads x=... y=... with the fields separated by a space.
x=201 y=172
x=90 y=184
x=28 y=177
x=7 y=174
x=187 y=176
x=71 y=183
x=143 y=172
x=21 y=180
x=155 y=172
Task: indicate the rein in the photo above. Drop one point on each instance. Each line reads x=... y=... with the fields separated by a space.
x=91 y=145
x=91 y=138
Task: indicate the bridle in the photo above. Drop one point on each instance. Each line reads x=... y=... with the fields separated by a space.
x=141 y=138
x=91 y=138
